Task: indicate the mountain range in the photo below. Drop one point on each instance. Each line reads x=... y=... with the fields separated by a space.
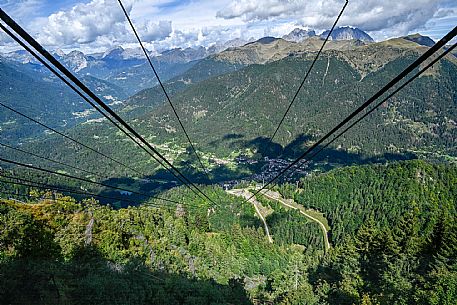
x=128 y=69
x=339 y=33
x=298 y=35
x=118 y=72
x=231 y=101
x=252 y=99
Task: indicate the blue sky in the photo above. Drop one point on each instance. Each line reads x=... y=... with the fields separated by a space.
x=97 y=25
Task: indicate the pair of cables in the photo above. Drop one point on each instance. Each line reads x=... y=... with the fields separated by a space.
x=416 y=64
x=94 y=101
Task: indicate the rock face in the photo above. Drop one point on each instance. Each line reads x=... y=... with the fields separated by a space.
x=298 y=35
x=179 y=55
x=114 y=54
x=347 y=33
x=75 y=60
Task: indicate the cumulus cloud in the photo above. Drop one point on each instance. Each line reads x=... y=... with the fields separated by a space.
x=197 y=37
x=398 y=17
x=211 y=35
x=262 y=9
x=100 y=24
x=219 y=35
x=96 y=22
x=83 y=23
x=178 y=39
x=152 y=31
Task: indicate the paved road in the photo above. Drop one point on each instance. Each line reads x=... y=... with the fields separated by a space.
x=246 y=194
x=293 y=205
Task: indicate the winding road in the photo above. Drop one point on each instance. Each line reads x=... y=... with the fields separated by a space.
x=291 y=204
x=286 y=202
x=246 y=195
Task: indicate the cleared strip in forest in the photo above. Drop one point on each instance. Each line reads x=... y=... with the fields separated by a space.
x=246 y=194
x=276 y=196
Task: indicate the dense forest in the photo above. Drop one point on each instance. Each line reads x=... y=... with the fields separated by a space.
x=393 y=235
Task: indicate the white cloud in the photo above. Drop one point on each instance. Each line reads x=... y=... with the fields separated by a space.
x=393 y=16
x=260 y=9
x=100 y=24
x=178 y=39
x=98 y=21
x=82 y=24
x=152 y=31
x=206 y=36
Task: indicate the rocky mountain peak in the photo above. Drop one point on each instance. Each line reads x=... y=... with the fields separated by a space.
x=347 y=33
x=298 y=35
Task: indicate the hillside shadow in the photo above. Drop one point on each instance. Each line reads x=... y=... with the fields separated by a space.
x=267 y=152
x=88 y=278
x=265 y=148
x=246 y=168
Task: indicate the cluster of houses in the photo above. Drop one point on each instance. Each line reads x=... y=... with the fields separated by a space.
x=271 y=168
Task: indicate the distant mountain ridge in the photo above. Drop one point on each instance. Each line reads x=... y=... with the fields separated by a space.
x=339 y=33
x=126 y=68
x=298 y=35
x=265 y=40
x=81 y=62
x=419 y=39
x=347 y=33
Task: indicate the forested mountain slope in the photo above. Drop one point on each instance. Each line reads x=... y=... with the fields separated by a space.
x=394 y=242
x=233 y=113
x=351 y=195
x=39 y=94
x=189 y=200
x=250 y=103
